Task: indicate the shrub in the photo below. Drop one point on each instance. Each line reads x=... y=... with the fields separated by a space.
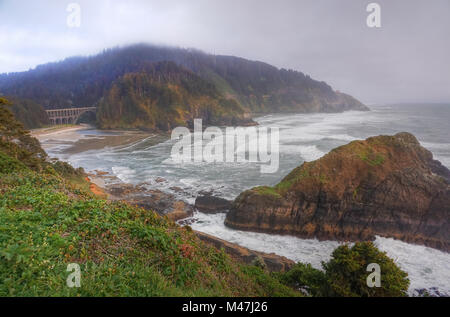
x=347 y=272
x=16 y=142
x=9 y=165
x=345 y=275
x=307 y=279
x=259 y=262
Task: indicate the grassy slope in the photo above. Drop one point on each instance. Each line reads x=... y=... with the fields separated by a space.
x=47 y=222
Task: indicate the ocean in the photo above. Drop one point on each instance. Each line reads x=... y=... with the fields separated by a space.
x=303 y=137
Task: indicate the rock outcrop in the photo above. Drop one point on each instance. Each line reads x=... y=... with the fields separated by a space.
x=273 y=262
x=387 y=185
x=211 y=204
x=164 y=204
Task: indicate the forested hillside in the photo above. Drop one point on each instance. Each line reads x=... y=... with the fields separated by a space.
x=256 y=86
x=163 y=96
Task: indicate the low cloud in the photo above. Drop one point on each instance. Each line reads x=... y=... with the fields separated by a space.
x=405 y=60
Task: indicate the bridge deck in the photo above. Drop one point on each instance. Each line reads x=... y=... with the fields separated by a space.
x=71 y=109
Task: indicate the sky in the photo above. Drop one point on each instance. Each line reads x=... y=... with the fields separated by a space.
x=405 y=60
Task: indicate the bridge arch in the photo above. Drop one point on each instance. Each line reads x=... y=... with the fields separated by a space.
x=93 y=110
x=69 y=115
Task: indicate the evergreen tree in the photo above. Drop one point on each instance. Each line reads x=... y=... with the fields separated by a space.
x=17 y=142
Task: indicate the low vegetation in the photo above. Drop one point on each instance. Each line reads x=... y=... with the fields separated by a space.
x=47 y=223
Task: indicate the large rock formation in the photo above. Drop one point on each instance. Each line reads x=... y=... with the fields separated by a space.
x=387 y=185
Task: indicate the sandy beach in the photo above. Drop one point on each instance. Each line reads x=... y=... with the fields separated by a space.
x=73 y=139
x=45 y=132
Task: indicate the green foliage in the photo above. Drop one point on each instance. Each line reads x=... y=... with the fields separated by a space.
x=29 y=113
x=346 y=272
x=345 y=275
x=66 y=170
x=373 y=159
x=306 y=278
x=16 y=142
x=267 y=191
x=259 y=262
x=19 y=149
x=8 y=164
x=45 y=224
x=299 y=174
x=255 y=86
x=271 y=282
x=164 y=96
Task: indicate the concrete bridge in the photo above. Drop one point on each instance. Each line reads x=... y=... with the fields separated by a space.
x=69 y=115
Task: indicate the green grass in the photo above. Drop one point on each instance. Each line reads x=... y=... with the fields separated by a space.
x=48 y=221
x=373 y=159
x=368 y=152
x=299 y=174
x=267 y=191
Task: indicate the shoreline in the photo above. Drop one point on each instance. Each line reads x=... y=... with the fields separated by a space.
x=43 y=132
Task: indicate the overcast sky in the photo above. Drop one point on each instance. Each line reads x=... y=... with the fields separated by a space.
x=405 y=60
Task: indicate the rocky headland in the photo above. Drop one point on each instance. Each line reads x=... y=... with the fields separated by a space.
x=386 y=185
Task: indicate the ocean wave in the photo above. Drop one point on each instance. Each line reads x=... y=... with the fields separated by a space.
x=124 y=173
x=310 y=153
x=427 y=268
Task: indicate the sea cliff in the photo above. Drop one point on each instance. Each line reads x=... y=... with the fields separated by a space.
x=386 y=185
